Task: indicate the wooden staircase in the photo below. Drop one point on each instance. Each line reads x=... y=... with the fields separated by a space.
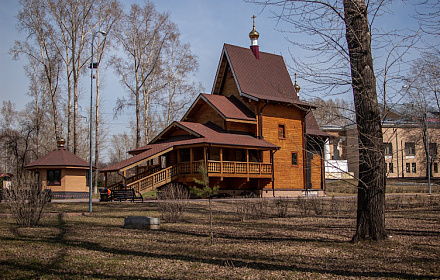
x=144 y=182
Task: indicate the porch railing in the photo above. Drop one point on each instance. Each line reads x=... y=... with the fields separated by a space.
x=225 y=168
x=241 y=168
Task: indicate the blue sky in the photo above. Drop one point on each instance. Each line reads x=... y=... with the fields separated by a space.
x=205 y=24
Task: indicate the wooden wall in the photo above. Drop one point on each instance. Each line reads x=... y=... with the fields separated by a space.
x=229 y=85
x=206 y=113
x=246 y=127
x=316 y=167
x=287 y=176
x=72 y=180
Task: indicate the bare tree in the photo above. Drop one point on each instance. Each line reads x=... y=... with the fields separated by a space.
x=340 y=37
x=44 y=59
x=71 y=22
x=179 y=64
x=421 y=91
x=18 y=143
x=333 y=111
x=428 y=12
x=120 y=145
x=142 y=34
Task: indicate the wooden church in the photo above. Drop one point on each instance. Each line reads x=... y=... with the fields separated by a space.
x=252 y=133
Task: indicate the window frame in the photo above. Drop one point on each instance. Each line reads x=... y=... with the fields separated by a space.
x=294 y=163
x=51 y=180
x=432 y=149
x=413 y=167
x=410 y=149
x=388 y=149
x=281 y=131
x=390 y=167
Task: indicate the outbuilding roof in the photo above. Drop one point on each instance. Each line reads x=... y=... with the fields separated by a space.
x=60 y=157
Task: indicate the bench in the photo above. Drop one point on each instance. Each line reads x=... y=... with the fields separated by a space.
x=125 y=194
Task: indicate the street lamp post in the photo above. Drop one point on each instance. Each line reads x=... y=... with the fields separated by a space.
x=92 y=65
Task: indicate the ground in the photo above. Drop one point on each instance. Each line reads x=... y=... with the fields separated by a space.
x=250 y=242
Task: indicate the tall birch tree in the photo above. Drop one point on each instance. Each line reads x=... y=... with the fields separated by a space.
x=142 y=34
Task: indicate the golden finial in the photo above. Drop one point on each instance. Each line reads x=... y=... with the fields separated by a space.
x=297 y=88
x=253 y=34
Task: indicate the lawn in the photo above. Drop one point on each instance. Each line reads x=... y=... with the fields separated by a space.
x=312 y=242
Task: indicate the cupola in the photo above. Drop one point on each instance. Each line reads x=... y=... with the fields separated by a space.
x=60 y=143
x=297 y=87
x=253 y=35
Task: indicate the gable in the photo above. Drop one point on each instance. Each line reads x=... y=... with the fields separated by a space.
x=203 y=112
x=265 y=78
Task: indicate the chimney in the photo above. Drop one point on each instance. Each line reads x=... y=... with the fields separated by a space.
x=253 y=35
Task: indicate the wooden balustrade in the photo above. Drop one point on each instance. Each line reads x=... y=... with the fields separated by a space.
x=225 y=168
x=234 y=167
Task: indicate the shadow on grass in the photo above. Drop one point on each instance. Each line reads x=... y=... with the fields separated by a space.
x=55 y=265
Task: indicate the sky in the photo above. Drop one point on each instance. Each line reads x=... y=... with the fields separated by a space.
x=205 y=24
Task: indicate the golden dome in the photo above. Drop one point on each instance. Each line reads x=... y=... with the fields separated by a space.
x=254 y=33
x=296 y=86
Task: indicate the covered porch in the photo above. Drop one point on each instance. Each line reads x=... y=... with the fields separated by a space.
x=180 y=164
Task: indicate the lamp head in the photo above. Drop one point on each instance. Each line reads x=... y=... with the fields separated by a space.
x=103 y=32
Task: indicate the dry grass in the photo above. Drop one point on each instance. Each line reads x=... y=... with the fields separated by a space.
x=394 y=186
x=300 y=246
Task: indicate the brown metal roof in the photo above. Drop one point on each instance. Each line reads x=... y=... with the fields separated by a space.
x=265 y=78
x=210 y=134
x=230 y=107
x=60 y=157
x=312 y=127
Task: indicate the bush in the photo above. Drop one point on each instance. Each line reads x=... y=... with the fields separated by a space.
x=176 y=199
x=252 y=209
x=26 y=200
x=281 y=207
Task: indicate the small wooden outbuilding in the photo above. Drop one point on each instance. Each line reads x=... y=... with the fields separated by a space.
x=63 y=172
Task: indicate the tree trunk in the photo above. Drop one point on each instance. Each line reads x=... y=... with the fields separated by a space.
x=138 y=120
x=371 y=187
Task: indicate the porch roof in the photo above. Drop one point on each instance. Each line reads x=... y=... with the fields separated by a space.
x=200 y=134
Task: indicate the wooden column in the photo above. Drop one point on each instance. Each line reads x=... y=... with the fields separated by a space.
x=205 y=159
x=178 y=161
x=191 y=158
x=273 y=174
x=247 y=164
x=105 y=179
x=221 y=164
x=124 y=173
